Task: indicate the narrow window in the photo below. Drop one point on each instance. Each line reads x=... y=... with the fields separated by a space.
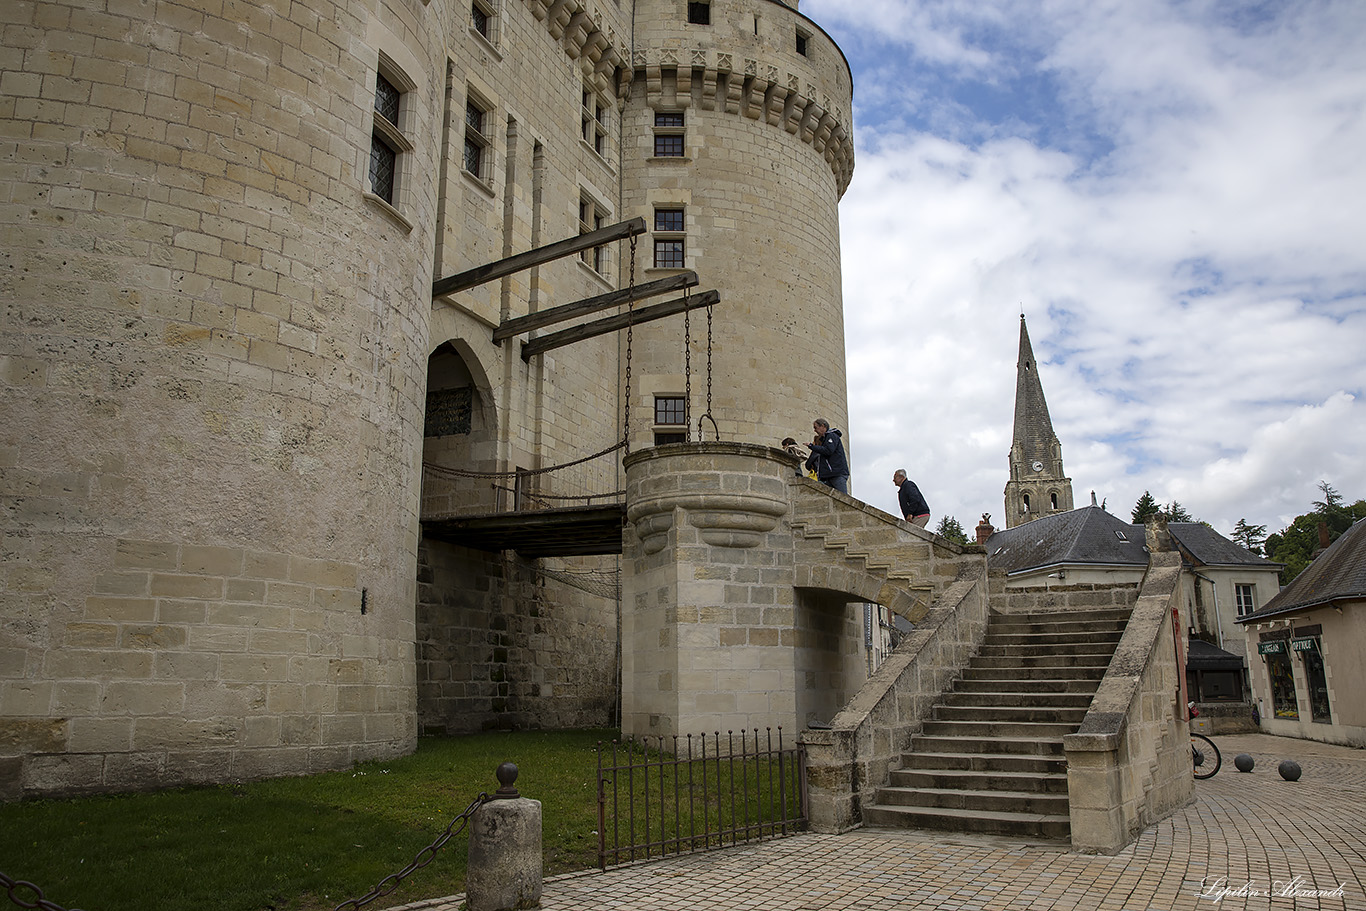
x=669 y=239
x=1246 y=598
x=668 y=134
x=594 y=121
x=1025 y=498
x=479 y=18
x=1053 y=500
x=699 y=13
x=802 y=38
x=591 y=218
x=387 y=141
x=476 y=139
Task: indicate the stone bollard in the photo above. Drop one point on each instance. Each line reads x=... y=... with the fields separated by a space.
x=505 y=850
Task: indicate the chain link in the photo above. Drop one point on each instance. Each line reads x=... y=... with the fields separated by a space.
x=716 y=432
x=424 y=857
x=38 y=900
x=630 y=326
x=687 y=364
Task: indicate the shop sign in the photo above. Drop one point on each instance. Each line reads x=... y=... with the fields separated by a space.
x=1304 y=645
x=1271 y=648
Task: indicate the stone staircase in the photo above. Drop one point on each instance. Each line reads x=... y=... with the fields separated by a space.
x=991 y=759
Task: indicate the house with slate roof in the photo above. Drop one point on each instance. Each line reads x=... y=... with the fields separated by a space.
x=1307 y=648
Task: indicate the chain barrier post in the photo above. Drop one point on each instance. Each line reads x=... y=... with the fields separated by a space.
x=505 y=867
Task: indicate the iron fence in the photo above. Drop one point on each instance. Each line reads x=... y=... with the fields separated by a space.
x=658 y=797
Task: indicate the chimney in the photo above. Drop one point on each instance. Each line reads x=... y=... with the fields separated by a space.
x=1323 y=536
x=1155 y=534
x=984 y=529
x=1093 y=499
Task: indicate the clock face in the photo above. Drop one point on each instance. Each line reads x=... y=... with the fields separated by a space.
x=1037 y=466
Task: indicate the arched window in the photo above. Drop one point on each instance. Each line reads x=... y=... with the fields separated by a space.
x=1053 y=498
x=1025 y=498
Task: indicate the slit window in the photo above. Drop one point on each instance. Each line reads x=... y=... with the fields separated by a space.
x=477 y=142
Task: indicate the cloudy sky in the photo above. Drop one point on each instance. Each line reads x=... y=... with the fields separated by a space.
x=1175 y=196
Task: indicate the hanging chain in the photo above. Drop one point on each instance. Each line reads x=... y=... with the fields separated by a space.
x=687 y=365
x=630 y=326
x=716 y=432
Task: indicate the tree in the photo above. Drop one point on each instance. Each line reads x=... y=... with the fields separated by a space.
x=1175 y=512
x=1296 y=544
x=1146 y=506
x=1250 y=536
x=952 y=529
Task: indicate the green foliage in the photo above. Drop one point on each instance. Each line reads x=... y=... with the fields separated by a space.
x=1146 y=506
x=950 y=528
x=1296 y=544
x=1175 y=512
x=1249 y=536
x=300 y=843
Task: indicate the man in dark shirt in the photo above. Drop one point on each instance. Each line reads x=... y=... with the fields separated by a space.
x=827 y=456
x=913 y=505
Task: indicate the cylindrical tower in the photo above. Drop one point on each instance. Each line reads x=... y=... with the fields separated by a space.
x=738 y=146
x=212 y=359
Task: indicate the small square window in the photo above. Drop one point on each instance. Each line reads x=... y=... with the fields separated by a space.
x=386 y=100
x=669 y=134
x=665 y=438
x=668 y=118
x=668 y=146
x=383 y=166
x=668 y=219
x=671 y=409
x=699 y=13
x=669 y=253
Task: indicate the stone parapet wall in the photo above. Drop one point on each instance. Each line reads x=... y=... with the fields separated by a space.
x=1087 y=595
x=848 y=762
x=1129 y=763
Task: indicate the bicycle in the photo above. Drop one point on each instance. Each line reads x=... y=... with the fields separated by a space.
x=1205 y=758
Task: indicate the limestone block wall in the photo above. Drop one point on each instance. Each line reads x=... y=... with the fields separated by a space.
x=708 y=638
x=845 y=764
x=1128 y=765
x=214 y=350
x=502 y=646
x=1082 y=596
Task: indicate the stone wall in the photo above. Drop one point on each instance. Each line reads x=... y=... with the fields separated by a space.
x=848 y=762
x=1129 y=763
x=1087 y=595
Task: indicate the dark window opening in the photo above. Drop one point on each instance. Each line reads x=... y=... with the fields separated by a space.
x=383 y=164
x=475 y=140
x=699 y=13
x=801 y=44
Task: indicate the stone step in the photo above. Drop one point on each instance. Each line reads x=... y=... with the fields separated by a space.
x=1019 y=825
x=1071 y=717
x=1049 y=640
x=1064 y=650
x=1034 y=781
x=996 y=763
x=945 y=743
x=1026 y=661
x=982 y=800
x=1030 y=698
x=991 y=680
x=993 y=730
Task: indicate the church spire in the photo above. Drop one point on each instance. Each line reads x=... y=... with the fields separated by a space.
x=1038 y=485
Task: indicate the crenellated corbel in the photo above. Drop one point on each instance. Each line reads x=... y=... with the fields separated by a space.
x=576 y=33
x=539 y=8
x=810 y=117
x=735 y=92
x=683 y=87
x=654 y=85
x=558 y=17
x=821 y=139
x=775 y=97
x=792 y=112
x=752 y=97
x=710 y=80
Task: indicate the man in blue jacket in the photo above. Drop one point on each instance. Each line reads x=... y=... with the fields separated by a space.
x=913 y=505
x=827 y=456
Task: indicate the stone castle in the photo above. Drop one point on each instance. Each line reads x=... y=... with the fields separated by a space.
x=234 y=407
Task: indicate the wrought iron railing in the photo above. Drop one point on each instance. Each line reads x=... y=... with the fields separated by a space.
x=658 y=797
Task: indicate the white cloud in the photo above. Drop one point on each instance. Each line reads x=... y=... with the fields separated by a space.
x=1196 y=291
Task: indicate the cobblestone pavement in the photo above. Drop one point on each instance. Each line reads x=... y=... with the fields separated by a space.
x=1279 y=845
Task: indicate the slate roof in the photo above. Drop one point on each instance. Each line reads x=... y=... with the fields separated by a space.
x=1339 y=573
x=1085 y=535
x=1213 y=549
x=1202 y=656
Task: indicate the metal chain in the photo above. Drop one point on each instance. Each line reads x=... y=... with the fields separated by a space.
x=424 y=857
x=687 y=365
x=630 y=326
x=37 y=901
x=447 y=471
x=716 y=432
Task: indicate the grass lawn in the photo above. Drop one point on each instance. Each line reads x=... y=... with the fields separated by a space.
x=300 y=843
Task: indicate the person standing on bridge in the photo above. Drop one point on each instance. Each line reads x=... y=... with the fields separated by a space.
x=827 y=456
x=913 y=505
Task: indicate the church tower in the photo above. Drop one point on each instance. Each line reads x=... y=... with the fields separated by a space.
x=1038 y=485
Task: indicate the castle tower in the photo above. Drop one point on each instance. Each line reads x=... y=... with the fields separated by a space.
x=1038 y=485
x=739 y=121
